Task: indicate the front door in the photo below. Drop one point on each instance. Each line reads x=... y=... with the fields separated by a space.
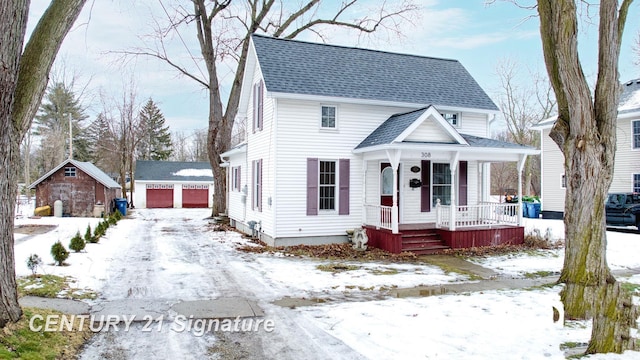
x=386 y=185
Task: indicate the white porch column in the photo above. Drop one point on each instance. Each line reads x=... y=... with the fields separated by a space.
x=394 y=159
x=486 y=181
x=364 y=192
x=523 y=159
x=453 y=167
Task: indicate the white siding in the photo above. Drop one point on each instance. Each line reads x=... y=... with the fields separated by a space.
x=261 y=145
x=475 y=124
x=627 y=159
x=237 y=199
x=299 y=138
x=431 y=132
x=552 y=170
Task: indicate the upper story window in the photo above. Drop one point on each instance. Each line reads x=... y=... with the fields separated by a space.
x=258 y=106
x=70 y=171
x=563 y=181
x=635 y=141
x=452 y=117
x=329 y=118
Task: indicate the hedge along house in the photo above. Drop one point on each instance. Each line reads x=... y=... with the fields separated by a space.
x=341 y=138
x=173 y=184
x=79 y=185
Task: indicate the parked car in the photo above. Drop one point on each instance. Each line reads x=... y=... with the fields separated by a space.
x=623 y=209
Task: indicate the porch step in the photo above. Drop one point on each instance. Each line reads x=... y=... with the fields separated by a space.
x=422 y=242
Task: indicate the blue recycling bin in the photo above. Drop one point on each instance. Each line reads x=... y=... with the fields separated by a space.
x=121 y=205
x=525 y=209
x=533 y=210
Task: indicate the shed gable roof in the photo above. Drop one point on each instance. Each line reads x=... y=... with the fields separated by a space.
x=297 y=67
x=87 y=168
x=178 y=171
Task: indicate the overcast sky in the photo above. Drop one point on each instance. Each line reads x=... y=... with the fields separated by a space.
x=476 y=35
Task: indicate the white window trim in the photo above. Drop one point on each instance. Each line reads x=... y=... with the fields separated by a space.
x=382 y=193
x=336 y=188
x=632 y=136
x=433 y=185
x=633 y=181
x=458 y=117
x=331 y=129
x=73 y=171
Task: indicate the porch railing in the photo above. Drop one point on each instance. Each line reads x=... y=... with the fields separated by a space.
x=481 y=215
x=378 y=216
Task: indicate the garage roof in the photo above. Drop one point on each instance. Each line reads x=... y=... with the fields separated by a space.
x=173 y=171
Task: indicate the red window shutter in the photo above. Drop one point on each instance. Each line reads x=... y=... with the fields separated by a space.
x=462 y=181
x=254 y=123
x=343 y=198
x=260 y=104
x=253 y=181
x=312 y=186
x=425 y=189
x=260 y=185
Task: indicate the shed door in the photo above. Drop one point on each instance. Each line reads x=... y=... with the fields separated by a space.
x=195 y=196
x=159 y=196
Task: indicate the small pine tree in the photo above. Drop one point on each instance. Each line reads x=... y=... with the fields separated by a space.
x=77 y=243
x=88 y=237
x=59 y=253
x=33 y=262
x=112 y=219
x=117 y=215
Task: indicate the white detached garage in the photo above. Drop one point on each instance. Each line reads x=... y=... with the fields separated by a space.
x=173 y=184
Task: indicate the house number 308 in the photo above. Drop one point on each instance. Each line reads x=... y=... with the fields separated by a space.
x=426 y=155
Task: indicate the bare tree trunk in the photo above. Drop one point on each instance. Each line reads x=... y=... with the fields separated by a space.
x=23 y=79
x=585 y=132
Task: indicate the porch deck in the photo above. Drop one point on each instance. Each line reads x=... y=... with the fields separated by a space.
x=426 y=238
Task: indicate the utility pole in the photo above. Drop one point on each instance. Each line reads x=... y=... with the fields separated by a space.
x=70 y=139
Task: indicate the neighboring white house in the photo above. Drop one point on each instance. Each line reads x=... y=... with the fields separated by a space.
x=332 y=131
x=626 y=173
x=173 y=184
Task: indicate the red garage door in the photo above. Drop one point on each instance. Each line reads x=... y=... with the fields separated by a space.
x=195 y=196
x=159 y=196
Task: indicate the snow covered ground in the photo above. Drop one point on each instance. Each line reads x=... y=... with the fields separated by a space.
x=173 y=255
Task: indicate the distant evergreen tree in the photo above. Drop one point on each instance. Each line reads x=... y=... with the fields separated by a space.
x=155 y=138
x=52 y=125
x=102 y=148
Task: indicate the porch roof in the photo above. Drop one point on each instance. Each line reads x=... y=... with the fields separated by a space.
x=395 y=134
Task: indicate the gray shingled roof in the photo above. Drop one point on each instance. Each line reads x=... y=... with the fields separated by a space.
x=87 y=168
x=391 y=128
x=297 y=67
x=476 y=141
x=630 y=97
x=147 y=170
x=629 y=102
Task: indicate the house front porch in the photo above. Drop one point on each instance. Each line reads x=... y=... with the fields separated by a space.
x=487 y=224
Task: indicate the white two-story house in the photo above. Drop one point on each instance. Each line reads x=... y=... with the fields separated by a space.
x=626 y=172
x=341 y=138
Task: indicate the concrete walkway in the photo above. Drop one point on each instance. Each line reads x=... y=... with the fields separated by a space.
x=143 y=309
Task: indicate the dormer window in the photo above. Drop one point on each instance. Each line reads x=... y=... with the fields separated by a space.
x=329 y=117
x=70 y=171
x=452 y=118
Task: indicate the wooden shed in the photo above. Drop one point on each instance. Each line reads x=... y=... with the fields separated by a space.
x=79 y=185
